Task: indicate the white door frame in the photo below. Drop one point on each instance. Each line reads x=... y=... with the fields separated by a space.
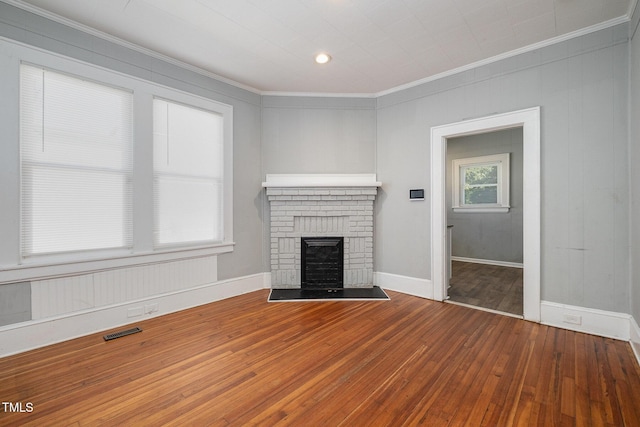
x=529 y=121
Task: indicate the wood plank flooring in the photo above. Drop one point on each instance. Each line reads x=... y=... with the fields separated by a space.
x=404 y=362
x=488 y=286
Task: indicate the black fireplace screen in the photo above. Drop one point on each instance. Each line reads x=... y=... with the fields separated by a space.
x=322 y=262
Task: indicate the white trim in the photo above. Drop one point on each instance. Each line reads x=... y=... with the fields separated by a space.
x=592 y=321
x=321 y=180
x=121 y=42
x=634 y=339
x=501 y=209
x=368 y=95
x=603 y=323
x=39 y=333
x=506 y=55
x=92 y=31
x=529 y=120
x=26 y=272
x=632 y=8
x=483 y=62
x=488 y=310
x=488 y=262
x=30 y=335
x=405 y=284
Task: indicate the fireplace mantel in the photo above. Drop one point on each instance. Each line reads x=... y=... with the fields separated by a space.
x=321 y=180
x=321 y=205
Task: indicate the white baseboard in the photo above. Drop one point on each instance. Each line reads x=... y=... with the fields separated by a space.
x=591 y=321
x=488 y=262
x=634 y=330
x=603 y=323
x=407 y=285
x=39 y=333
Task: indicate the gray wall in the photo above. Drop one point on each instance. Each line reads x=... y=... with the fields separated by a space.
x=581 y=86
x=34 y=30
x=316 y=135
x=634 y=159
x=15 y=303
x=489 y=236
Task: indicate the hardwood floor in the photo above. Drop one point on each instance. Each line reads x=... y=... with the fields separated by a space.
x=404 y=362
x=488 y=286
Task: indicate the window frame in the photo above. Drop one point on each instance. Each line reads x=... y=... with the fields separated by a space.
x=501 y=161
x=13 y=265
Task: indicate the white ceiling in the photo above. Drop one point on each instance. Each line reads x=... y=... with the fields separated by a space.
x=376 y=45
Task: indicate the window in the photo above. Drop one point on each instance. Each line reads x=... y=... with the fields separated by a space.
x=104 y=170
x=481 y=184
x=76 y=163
x=188 y=174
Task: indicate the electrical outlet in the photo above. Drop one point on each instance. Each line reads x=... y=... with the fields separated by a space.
x=574 y=319
x=135 y=311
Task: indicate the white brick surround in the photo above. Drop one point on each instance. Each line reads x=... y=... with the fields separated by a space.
x=312 y=206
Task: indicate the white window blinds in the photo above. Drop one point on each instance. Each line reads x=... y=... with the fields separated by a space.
x=76 y=163
x=188 y=174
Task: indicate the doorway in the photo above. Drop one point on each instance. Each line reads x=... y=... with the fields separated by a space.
x=529 y=121
x=485 y=219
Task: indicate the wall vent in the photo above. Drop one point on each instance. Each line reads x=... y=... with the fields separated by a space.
x=120 y=334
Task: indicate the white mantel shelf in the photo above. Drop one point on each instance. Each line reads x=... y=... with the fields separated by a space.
x=321 y=180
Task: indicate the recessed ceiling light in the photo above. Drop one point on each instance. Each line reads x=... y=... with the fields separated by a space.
x=322 y=58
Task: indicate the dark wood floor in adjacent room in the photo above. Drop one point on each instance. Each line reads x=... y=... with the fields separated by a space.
x=408 y=361
x=488 y=286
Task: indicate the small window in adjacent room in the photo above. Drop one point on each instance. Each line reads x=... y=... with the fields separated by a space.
x=481 y=184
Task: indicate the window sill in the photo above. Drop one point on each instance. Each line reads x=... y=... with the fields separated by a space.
x=40 y=268
x=497 y=209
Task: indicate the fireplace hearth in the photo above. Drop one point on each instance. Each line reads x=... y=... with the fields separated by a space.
x=322 y=262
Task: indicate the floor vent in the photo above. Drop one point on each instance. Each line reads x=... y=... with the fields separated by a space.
x=115 y=335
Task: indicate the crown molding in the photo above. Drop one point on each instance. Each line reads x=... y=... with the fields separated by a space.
x=526 y=49
x=319 y=94
x=157 y=55
x=116 y=40
x=632 y=8
x=506 y=55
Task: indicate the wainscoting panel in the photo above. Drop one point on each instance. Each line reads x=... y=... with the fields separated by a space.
x=33 y=334
x=59 y=296
x=52 y=297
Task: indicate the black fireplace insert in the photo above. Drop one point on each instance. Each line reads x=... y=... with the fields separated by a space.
x=322 y=261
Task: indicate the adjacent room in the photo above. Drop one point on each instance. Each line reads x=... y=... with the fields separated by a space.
x=319 y=212
x=487 y=227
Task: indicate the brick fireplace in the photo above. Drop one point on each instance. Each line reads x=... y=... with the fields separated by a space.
x=304 y=206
